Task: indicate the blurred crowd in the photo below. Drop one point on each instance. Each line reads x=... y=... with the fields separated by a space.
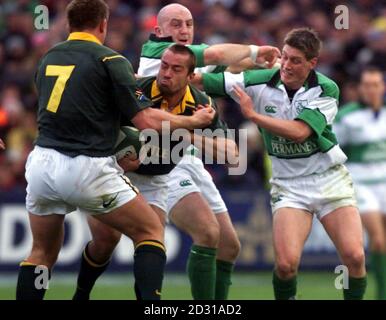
x=344 y=53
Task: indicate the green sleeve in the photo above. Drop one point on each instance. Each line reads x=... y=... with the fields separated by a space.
x=260 y=76
x=198 y=50
x=329 y=87
x=154 y=50
x=219 y=69
x=330 y=90
x=214 y=84
x=127 y=97
x=315 y=119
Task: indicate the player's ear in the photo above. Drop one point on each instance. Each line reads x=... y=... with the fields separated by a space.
x=103 y=26
x=313 y=62
x=158 y=31
x=191 y=76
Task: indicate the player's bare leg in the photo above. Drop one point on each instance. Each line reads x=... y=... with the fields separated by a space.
x=104 y=240
x=344 y=227
x=47 y=239
x=138 y=221
x=373 y=223
x=160 y=213
x=97 y=254
x=95 y=257
x=291 y=228
x=193 y=215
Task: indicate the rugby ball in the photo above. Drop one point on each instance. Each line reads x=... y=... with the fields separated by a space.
x=128 y=143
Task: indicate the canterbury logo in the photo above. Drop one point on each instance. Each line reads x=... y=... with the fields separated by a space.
x=185 y=183
x=270 y=109
x=157 y=292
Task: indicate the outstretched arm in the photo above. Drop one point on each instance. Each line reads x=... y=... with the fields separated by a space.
x=2 y=145
x=248 y=64
x=231 y=54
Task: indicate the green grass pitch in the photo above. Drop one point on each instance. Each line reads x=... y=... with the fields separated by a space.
x=246 y=286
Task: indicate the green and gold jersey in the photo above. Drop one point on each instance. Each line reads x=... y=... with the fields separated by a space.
x=361 y=133
x=192 y=98
x=84 y=88
x=315 y=103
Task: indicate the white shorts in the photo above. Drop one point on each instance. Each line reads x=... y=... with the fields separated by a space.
x=371 y=197
x=153 y=188
x=319 y=193
x=190 y=176
x=59 y=184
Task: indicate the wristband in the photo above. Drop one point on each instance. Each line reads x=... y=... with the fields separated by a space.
x=254 y=52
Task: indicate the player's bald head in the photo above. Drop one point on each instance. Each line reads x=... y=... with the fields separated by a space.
x=176 y=21
x=171 y=11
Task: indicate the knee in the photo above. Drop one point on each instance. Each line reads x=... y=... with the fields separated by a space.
x=354 y=259
x=229 y=250
x=104 y=244
x=287 y=267
x=207 y=236
x=151 y=231
x=234 y=249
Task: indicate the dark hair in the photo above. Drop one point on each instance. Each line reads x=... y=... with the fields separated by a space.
x=181 y=49
x=306 y=40
x=372 y=69
x=86 y=14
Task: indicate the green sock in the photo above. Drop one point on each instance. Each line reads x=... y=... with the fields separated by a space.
x=89 y=272
x=356 y=288
x=384 y=276
x=201 y=268
x=26 y=288
x=224 y=272
x=284 y=289
x=378 y=266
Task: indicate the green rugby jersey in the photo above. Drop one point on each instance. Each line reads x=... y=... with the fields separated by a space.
x=192 y=98
x=361 y=133
x=315 y=103
x=83 y=90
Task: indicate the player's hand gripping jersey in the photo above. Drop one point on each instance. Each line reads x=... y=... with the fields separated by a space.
x=315 y=103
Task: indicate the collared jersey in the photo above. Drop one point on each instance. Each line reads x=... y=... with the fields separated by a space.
x=315 y=103
x=152 y=50
x=192 y=98
x=83 y=89
x=150 y=61
x=362 y=134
